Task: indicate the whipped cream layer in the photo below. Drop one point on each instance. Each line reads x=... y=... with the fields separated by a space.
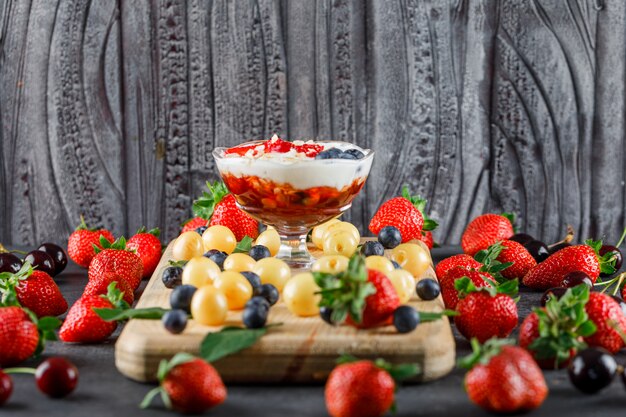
x=296 y=168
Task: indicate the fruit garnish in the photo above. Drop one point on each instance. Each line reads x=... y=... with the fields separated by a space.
x=503 y=378
x=240 y=149
x=56 y=377
x=552 y=333
x=485 y=230
x=490 y=263
x=187 y=385
x=277 y=145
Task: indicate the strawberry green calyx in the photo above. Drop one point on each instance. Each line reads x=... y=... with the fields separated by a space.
x=489 y=258
x=46 y=327
x=511 y=218
x=165 y=367
x=83 y=226
x=399 y=372
x=562 y=324
x=420 y=203
x=119 y=244
x=465 y=286
x=606 y=261
x=9 y=282
x=346 y=292
x=205 y=205
x=482 y=354
x=155 y=232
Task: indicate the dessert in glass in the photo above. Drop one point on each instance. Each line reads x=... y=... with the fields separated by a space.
x=294 y=186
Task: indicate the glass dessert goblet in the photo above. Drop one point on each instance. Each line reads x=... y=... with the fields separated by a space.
x=293 y=193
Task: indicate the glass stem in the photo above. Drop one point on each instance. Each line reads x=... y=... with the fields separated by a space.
x=294 y=251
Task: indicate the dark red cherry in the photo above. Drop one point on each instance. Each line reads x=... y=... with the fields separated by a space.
x=58 y=255
x=538 y=250
x=616 y=253
x=557 y=292
x=521 y=238
x=6 y=387
x=41 y=260
x=620 y=301
x=576 y=278
x=56 y=377
x=558 y=247
x=9 y=263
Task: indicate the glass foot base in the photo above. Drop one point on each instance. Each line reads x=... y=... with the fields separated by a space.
x=294 y=251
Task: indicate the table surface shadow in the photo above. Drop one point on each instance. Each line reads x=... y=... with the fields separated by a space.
x=103 y=391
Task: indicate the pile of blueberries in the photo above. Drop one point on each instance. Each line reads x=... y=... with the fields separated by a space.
x=255 y=312
x=336 y=153
x=48 y=257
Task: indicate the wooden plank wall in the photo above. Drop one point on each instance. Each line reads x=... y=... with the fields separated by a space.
x=110 y=108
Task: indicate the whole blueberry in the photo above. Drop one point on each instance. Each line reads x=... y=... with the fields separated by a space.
x=427 y=289
x=252 y=278
x=371 y=248
x=346 y=155
x=262 y=227
x=258 y=252
x=254 y=316
x=258 y=301
x=200 y=230
x=180 y=298
x=172 y=276
x=390 y=237
x=175 y=321
x=326 y=315
x=405 y=319
x=217 y=256
x=396 y=265
x=332 y=153
x=357 y=153
x=269 y=292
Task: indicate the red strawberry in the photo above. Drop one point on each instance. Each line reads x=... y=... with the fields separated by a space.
x=485 y=230
x=39 y=293
x=220 y=207
x=427 y=238
x=365 y=297
x=80 y=246
x=148 y=247
x=607 y=315
x=565 y=323
x=189 y=385
x=19 y=337
x=406 y=214
x=99 y=286
x=504 y=379
x=515 y=253
x=193 y=224
x=584 y=258
x=115 y=258
x=461 y=260
x=486 y=312
x=83 y=325
x=448 y=289
x=359 y=389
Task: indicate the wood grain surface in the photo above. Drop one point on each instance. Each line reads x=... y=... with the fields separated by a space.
x=110 y=108
x=299 y=350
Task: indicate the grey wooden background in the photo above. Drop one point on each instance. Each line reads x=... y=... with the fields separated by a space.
x=111 y=108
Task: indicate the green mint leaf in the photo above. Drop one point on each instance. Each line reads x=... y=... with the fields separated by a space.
x=244 y=245
x=429 y=224
x=48 y=323
x=120 y=314
x=404 y=371
x=229 y=340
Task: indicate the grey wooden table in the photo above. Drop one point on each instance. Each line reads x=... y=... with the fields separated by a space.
x=102 y=391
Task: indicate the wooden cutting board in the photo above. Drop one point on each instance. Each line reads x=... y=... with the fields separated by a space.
x=301 y=350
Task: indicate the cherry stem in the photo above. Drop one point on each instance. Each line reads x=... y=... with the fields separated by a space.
x=607 y=284
x=621 y=239
x=567 y=239
x=19 y=371
x=19 y=252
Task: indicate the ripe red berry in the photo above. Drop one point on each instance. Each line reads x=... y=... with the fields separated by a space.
x=6 y=387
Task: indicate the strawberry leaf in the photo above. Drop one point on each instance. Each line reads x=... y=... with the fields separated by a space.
x=346 y=292
x=465 y=286
x=244 y=245
x=205 y=205
x=511 y=218
x=606 y=261
x=489 y=258
x=483 y=354
x=561 y=325
x=227 y=341
x=46 y=327
x=121 y=314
